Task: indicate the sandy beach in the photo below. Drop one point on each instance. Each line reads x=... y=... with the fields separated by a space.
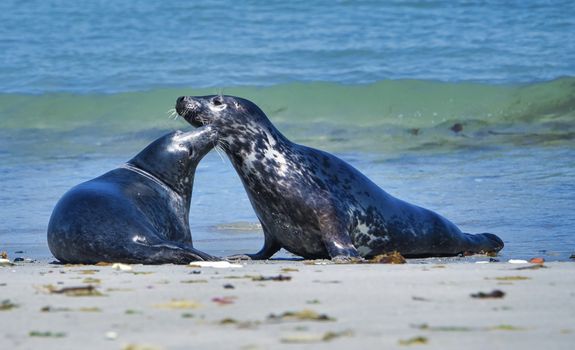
x=289 y=304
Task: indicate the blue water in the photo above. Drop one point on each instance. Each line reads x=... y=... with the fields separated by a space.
x=85 y=85
x=111 y=46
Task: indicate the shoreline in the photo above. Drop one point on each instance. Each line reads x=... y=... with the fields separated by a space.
x=288 y=304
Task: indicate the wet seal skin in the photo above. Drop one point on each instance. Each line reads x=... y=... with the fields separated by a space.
x=314 y=204
x=137 y=213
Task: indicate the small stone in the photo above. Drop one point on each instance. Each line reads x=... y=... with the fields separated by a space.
x=121 y=267
x=229 y=286
x=517 y=261
x=111 y=335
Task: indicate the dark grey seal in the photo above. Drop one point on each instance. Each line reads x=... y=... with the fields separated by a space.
x=137 y=213
x=316 y=205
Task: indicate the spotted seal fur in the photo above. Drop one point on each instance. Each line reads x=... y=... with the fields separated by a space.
x=316 y=205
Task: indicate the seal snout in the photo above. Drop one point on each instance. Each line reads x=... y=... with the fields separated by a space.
x=186 y=104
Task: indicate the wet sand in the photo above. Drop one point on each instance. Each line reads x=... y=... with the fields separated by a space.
x=319 y=306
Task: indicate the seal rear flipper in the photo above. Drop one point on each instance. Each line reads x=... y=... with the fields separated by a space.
x=485 y=243
x=170 y=252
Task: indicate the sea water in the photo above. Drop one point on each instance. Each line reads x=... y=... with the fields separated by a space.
x=463 y=107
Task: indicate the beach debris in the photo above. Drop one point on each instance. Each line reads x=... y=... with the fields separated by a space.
x=227 y=300
x=18 y=259
x=271 y=278
x=482 y=262
x=3 y=255
x=67 y=309
x=122 y=267
x=6 y=305
x=104 y=263
x=5 y=262
x=303 y=315
x=419 y=340
x=314 y=338
x=229 y=286
x=90 y=280
x=195 y=272
x=572 y=256
x=416 y=298
x=80 y=291
x=414 y=131
x=47 y=334
x=194 y=281
x=215 y=264
x=111 y=335
x=188 y=315
x=517 y=261
x=506 y=327
x=178 y=304
x=313 y=302
x=512 y=278
x=132 y=312
x=228 y=321
x=494 y=294
x=537 y=260
x=289 y=269
x=388 y=258
x=426 y=327
x=87 y=272
x=19 y=252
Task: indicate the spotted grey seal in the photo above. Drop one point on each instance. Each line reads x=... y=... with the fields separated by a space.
x=316 y=205
x=137 y=213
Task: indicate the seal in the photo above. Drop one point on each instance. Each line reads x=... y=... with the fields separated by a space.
x=137 y=213
x=316 y=205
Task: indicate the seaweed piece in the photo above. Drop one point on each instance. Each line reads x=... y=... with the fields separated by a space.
x=289 y=269
x=179 y=304
x=388 y=258
x=494 y=294
x=315 y=338
x=419 y=340
x=272 y=278
x=194 y=281
x=47 y=334
x=303 y=315
x=512 y=278
x=6 y=305
x=507 y=327
x=81 y=291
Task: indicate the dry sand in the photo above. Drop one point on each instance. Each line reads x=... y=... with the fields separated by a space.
x=322 y=306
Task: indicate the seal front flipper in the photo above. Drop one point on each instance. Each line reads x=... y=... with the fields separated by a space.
x=271 y=246
x=336 y=239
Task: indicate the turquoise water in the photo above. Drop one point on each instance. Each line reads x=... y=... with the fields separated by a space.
x=464 y=107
